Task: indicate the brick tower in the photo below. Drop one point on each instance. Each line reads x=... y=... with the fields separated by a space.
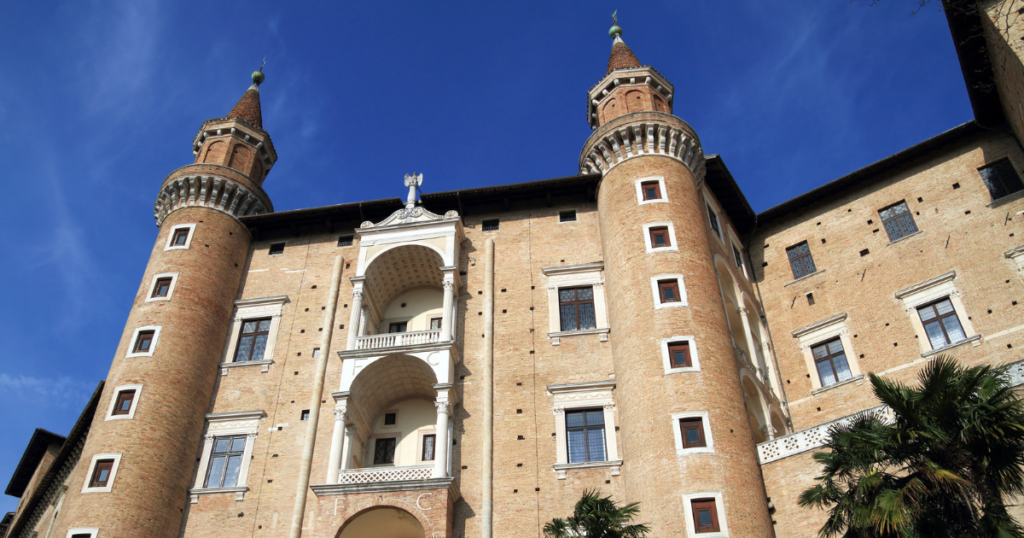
x=138 y=460
x=656 y=294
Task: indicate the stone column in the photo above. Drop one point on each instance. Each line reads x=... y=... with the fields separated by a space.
x=357 y=308
x=337 y=442
x=446 y=316
x=441 y=437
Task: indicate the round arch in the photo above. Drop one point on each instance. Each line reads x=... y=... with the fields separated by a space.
x=778 y=421
x=389 y=380
x=382 y=522
x=401 y=268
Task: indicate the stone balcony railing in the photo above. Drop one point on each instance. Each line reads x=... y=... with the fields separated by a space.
x=385 y=474
x=375 y=341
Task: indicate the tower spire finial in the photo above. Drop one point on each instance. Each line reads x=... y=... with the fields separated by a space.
x=257 y=75
x=615 y=32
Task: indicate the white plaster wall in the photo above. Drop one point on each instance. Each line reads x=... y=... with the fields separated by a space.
x=421 y=304
x=415 y=418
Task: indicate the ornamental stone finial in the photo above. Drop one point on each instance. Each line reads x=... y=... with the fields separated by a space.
x=413 y=181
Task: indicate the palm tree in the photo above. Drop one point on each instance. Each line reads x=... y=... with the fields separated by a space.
x=941 y=468
x=598 y=517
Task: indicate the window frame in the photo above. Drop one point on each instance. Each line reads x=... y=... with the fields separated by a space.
x=439 y=320
x=987 y=184
x=115 y=396
x=272 y=246
x=152 y=287
x=938 y=318
x=423 y=447
x=579 y=396
x=576 y=276
x=670 y=235
x=133 y=342
x=249 y=309
x=242 y=334
x=809 y=255
x=227 y=425
x=227 y=455
x=661 y=190
x=576 y=304
x=709 y=441
x=930 y=291
x=371 y=448
x=96 y=458
x=712 y=209
x=79 y=531
x=895 y=219
x=666 y=354
x=828 y=357
x=191 y=227
x=351 y=241
x=656 y=284
x=822 y=331
x=720 y=509
x=564 y=213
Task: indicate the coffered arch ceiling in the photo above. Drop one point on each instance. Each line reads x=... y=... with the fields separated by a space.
x=390 y=380
x=400 y=269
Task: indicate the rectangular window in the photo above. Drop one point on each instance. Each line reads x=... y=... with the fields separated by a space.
x=124 y=402
x=316 y=353
x=669 y=291
x=679 y=354
x=277 y=248
x=489 y=225
x=143 y=342
x=428 y=447
x=162 y=287
x=898 y=221
x=398 y=327
x=390 y=419
x=737 y=257
x=1001 y=179
x=800 y=260
x=180 y=237
x=651 y=190
x=705 y=515
x=576 y=308
x=585 y=431
x=345 y=241
x=435 y=323
x=225 y=462
x=660 y=237
x=693 y=432
x=830 y=360
x=567 y=216
x=101 y=473
x=304 y=415
x=713 y=217
x=941 y=323
x=252 y=342
x=384 y=451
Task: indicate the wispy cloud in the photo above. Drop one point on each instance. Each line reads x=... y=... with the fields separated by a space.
x=59 y=392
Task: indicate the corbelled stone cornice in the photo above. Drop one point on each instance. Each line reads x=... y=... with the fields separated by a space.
x=219 y=193
x=639 y=134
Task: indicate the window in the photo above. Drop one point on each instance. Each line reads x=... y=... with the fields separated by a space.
x=679 y=354
x=428 y=447
x=800 y=260
x=898 y=221
x=1001 y=178
x=941 y=323
x=316 y=353
x=651 y=190
x=225 y=462
x=398 y=327
x=276 y=248
x=163 y=286
x=180 y=237
x=124 y=402
x=830 y=361
x=143 y=342
x=585 y=433
x=660 y=238
x=705 y=515
x=102 y=472
x=384 y=451
x=390 y=419
x=304 y=415
x=737 y=257
x=567 y=216
x=489 y=225
x=435 y=324
x=713 y=217
x=345 y=240
x=252 y=342
x=576 y=308
x=82 y=533
x=692 y=432
x=669 y=291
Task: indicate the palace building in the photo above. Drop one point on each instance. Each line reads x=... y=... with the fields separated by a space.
x=466 y=363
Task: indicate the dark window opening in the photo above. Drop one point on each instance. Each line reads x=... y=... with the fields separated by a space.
x=585 y=432
x=660 y=237
x=576 y=309
x=800 y=260
x=705 y=515
x=398 y=327
x=567 y=216
x=898 y=221
x=489 y=225
x=277 y=248
x=941 y=323
x=101 y=474
x=669 y=291
x=345 y=241
x=180 y=237
x=390 y=418
x=737 y=257
x=162 y=287
x=304 y=415
x=435 y=323
x=428 y=447
x=384 y=451
x=144 y=342
x=1001 y=178
x=713 y=217
x=252 y=342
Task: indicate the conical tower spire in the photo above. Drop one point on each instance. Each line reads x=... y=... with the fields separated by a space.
x=622 y=57
x=248 y=107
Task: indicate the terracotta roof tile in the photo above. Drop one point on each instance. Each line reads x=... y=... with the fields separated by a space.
x=621 y=58
x=248 y=108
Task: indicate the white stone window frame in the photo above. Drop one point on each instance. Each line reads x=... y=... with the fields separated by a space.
x=576 y=216
x=91 y=532
x=656 y=292
x=661 y=188
x=135 y=338
x=691 y=528
x=713 y=205
x=576 y=276
x=225 y=425
x=152 y=287
x=588 y=395
x=1016 y=257
x=113 y=402
x=677 y=432
x=247 y=309
x=929 y=291
x=419 y=445
x=667 y=359
x=92 y=469
x=188 y=240
x=819 y=333
x=673 y=246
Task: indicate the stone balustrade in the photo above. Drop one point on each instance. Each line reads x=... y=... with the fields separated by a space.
x=385 y=474
x=375 y=341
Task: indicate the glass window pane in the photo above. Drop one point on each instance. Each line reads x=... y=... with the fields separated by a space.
x=926 y=313
x=842 y=368
x=679 y=357
x=238 y=444
x=231 y=472
x=103 y=475
x=568 y=317
x=577 y=449
x=668 y=293
x=692 y=436
x=797 y=266
x=808 y=265
x=705 y=517
x=835 y=346
x=428 y=447
x=659 y=240
x=216 y=472
x=935 y=335
x=944 y=307
x=595 y=440
x=825 y=373
x=587 y=320
x=893 y=230
x=887 y=213
x=953 y=329
x=585 y=294
x=820 y=352
x=907 y=223
x=249 y=327
x=126 y=404
x=261 y=346
x=244 y=349
x=595 y=417
x=573 y=419
x=264 y=325
x=566 y=295
x=900 y=208
x=221 y=445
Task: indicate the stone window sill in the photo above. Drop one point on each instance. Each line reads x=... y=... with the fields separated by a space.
x=1006 y=199
x=563 y=468
x=805 y=277
x=264 y=365
x=855 y=380
x=908 y=236
x=239 y=492
x=556 y=336
x=974 y=338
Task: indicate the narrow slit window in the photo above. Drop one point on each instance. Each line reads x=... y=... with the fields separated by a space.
x=651 y=190
x=941 y=323
x=669 y=290
x=144 y=342
x=567 y=216
x=586 y=436
x=679 y=354
x=428 y=447
x=225 y=462
x=162 y=287
x=304 y=415
x=252 y=342
x=737 y=257
x=830 y=360
x=123 y=404
x=101 y=474
x=576 y=309
x=1001 y=179
x=800 y=260
x=660 y=237
x=705 y=515
x=898 y=221
x=692 y=430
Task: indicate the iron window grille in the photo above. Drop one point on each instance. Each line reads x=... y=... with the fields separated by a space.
x=692 y=430
x=124 y=402
x=428 y=447
x=1001 y=178
x=898 y=221
x=705 y=515
x=941 y=323
x=390 y=419
x=225 y=462
x=345 y=241
x=384 y=451
x=800 y=260
x=651 y=190
x=567 y=216
x=489 y=225
x=252 y=342
x=830 y=361
x=576 y=308
x=585 y=432
x=679 y=354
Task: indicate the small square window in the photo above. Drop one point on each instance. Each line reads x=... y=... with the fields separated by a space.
x=428 y=447
x=101 y=473
x=941 y=323
x=1001 y=179
x=669 y=291
x=390 y=419
x=651 y=190
x=898 y=221
x=345 y=240
x=304 y=415
x=162 y=287
x=489 y=225
x=679 y=354
x=252 y=340
x=180 y=237
x=435 y=324
x=692 y=430
x=316 y=353
x=705 y=515
x=123 y=405
x=276 y=248
x=660 y=237
x=800 y=260
x=567 y=216
x=143 y=342
x=713 y=218
x=384 y=451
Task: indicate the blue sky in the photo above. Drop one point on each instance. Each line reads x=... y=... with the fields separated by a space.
x=99 y=101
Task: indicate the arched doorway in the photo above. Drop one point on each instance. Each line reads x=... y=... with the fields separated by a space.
x=382 y=522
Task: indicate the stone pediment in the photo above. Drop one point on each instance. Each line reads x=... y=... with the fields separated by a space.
x=411 y=215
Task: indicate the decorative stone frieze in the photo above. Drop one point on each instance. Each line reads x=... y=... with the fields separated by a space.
x=642 y=133
x=207 y=191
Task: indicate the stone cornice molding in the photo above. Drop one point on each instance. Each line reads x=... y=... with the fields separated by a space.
x=838 y=318
x=645 y=75
x=639 y=134
x=573 y=269
x=926 y=284
x=221 y=194
x=266 y=150
x=588 y=386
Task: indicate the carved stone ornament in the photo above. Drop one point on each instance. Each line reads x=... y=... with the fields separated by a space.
x=408 y=215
